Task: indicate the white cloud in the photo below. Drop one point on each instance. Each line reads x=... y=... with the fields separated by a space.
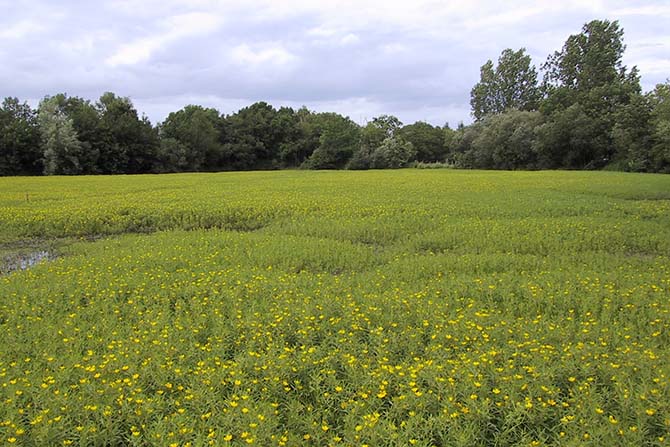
x=644 y=10
x=263 y=55
x=394 y=48
x=20 y=29
x=171 y=29
x=322 y=31
x=654 y=66
x=350 y=39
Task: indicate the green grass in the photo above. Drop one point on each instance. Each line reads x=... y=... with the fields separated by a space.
x=412 y=307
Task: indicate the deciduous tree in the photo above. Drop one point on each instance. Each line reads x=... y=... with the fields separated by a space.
x=512 y=84
x=19 y=139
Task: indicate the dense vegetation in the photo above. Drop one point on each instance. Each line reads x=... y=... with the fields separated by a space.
x=420 y=307
x=587 y=113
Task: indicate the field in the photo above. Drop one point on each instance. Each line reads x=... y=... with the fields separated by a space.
x=413 y=307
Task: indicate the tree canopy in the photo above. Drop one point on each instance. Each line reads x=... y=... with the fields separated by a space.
x=512 y=84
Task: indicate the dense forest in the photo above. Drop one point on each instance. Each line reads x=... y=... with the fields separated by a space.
x=587 y=112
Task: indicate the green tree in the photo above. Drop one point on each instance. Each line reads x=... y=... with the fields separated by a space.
x=19 y=139
x=172 y=156
x=572 y=139
x=449 y=137
x=512 y=84
x=338 y=140
x=586 y=84
x=459 y=143
x=393 y=153
x=659 y=157
x=428 y=141
x=590 y=59
x=372 y=136
x=253 y=138
x=301 y=137
x=632 y=135
x=506 y=141
x=86 y=122
x=129 y=143
x=62 y=148
x=197 y=129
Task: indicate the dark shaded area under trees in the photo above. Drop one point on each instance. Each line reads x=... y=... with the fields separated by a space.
x=588 y=112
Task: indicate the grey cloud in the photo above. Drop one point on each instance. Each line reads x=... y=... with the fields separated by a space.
x=418 y=68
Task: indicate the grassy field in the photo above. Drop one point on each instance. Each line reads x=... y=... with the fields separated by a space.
x=414 y=307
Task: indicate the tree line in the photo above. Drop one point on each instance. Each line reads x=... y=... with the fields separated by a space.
x=588 y=112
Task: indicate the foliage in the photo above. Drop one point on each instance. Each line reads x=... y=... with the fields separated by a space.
x=86 y=123
x=393 y=153
x=632 y=135
x=414 y=307
x=339 y=138
x=129 y=143
x=587 y=85
x=512 y=84
x=172 y=156
x=507 y=141
x=436 y=165
x=573 y=139
x=588 y=60
x=659 y=157
x=19 y=139
x=253 y=137
x=428 y=141
x=302 y=133
x=197 y=130
x=62 y=148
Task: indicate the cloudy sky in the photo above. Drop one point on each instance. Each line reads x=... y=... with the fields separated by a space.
x=416 y=59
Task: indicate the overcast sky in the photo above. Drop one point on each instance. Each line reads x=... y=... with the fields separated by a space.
x=416 y=59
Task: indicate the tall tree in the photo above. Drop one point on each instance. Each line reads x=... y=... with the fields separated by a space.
x=512 y=84
x=197 y=130
x=506 y=141
x=339 y=138
x=86 y=122
x=130 y=143
x=587 y=84
x=62 y=148
x=301 y=137
x=660 y=120
x=372 y=136
x=19 y=139
x=590 y=59
x=632 y=135
x=253 y=138
x=428 y=141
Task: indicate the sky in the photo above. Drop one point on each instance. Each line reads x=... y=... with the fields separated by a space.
x=415 y=59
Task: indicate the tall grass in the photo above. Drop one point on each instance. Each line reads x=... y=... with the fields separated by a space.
x=414 y=307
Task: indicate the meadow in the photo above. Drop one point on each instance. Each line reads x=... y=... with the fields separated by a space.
x=380 y=308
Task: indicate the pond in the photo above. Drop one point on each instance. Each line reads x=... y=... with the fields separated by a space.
x=24 y=261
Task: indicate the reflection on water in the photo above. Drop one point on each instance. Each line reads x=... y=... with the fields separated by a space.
x=24 y=261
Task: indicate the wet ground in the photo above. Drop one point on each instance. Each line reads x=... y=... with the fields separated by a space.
x=23 y=260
